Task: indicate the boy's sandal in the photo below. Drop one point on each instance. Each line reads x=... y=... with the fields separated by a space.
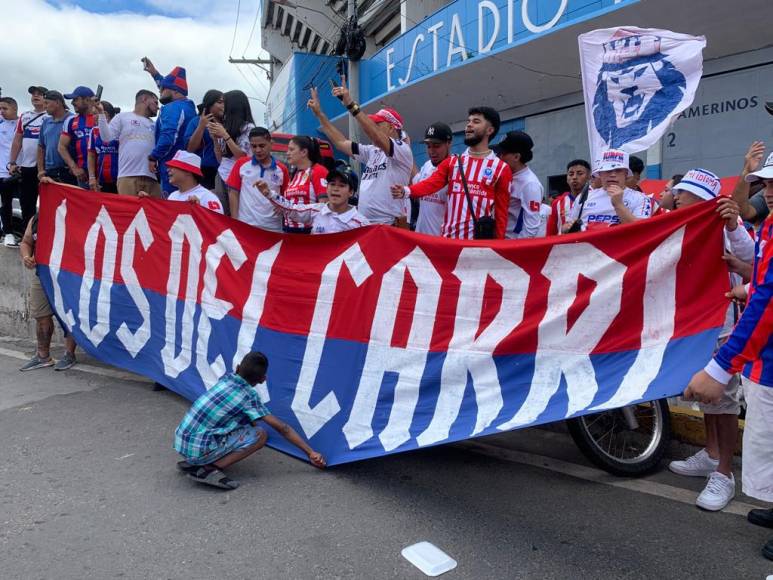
x=214 y=477
x=186 y=467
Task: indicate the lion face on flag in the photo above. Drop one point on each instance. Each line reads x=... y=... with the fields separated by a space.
x=635 y=95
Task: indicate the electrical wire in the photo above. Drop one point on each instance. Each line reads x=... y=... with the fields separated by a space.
x=236 y=26
x=252 y=30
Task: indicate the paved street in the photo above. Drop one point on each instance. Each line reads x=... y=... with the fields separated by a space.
x=89 y=490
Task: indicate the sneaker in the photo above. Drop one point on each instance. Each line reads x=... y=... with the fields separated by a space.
x=37 y=363
x=10 y=241
x=719 y=491
x=767 y=550
x=65 y=362
x=699 y=465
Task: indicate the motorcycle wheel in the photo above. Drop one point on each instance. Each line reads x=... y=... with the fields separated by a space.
x=608 y=440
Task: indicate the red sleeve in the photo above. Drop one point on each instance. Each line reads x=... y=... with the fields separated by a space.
x=552 y=227
x=285 y=177
x=434 y=182
x=234 y=180
x=319 y=180
x=502 y=200
x=19 y=128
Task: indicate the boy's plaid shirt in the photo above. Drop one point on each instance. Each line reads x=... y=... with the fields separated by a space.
x=230 y=404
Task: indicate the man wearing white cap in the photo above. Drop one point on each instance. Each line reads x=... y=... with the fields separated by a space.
x=613 y=203
x=721 y=418
x=184 y=170
x=388 y=161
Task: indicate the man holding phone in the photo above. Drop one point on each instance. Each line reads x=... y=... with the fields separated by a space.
x=74 y=142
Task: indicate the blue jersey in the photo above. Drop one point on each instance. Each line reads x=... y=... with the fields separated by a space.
x=107 y=157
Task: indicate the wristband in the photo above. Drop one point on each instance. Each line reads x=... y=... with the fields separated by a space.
x=355 y=110
x=351 y=105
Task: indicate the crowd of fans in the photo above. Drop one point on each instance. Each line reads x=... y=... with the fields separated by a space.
x=214 y=155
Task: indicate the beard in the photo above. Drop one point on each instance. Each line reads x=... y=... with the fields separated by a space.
x=165 y=100
x=472 y=141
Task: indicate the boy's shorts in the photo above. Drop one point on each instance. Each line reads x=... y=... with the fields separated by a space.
x=729 y=404
x=237 y=440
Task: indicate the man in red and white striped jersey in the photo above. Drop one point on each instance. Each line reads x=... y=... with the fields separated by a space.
x=577 y=176
x=488 y=180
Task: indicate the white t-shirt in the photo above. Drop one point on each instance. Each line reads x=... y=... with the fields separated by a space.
x=598 y=211
x=243 y=141
x=254 y=208
x=136 y=137
x=544 y=215
x=319 y=216
x=7 y=131
x=432 y=208
x=380 y=173
x=28 y=127
x=207 y=199
x=523 y=215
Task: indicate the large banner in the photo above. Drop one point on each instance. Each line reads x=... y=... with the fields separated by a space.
x=636 y=81
x=381 y=340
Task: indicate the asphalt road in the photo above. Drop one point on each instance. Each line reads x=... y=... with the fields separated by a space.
x=88 y=489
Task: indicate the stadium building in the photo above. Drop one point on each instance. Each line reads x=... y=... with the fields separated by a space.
x=432 y=59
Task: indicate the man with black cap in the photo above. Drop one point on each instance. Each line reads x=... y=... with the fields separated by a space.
x=51 y=166
x=24 y=152
x=432 y=208
x=74 y=142
x=525 y=190
x=478 y=183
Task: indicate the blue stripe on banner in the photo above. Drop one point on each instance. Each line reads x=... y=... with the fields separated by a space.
x=341 y=367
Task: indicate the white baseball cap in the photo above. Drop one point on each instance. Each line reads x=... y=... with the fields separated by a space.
x=765 y=173
x=612 y=159
x=702 y=183
x=186 y=161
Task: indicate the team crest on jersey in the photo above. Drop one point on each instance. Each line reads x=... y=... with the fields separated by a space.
x=457 y=187
x=488 y=172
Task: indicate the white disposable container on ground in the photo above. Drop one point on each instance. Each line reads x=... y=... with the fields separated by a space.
x=429 y=558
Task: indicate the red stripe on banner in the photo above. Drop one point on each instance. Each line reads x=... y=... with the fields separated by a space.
x=294 y=283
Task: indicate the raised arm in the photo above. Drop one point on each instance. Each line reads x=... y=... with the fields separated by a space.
x=751 y=163
x=297 y=212
x=369 y=127
x=337 y=138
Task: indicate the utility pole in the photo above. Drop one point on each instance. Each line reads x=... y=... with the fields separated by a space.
x=354 y=76
x=258 y=62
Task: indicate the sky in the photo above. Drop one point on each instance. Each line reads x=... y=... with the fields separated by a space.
x=61 y=44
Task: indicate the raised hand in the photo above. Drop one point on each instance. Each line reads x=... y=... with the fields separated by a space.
x=398 y=191
x=342 y=92
x=753 y=157
x=313 y=102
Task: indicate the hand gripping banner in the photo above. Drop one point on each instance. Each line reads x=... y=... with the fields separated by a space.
x=381 y=340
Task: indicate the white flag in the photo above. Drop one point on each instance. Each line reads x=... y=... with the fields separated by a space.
x=635 y=82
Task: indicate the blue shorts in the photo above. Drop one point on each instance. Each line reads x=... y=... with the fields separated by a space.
x=237 y=440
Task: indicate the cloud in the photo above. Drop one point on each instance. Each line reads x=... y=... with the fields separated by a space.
x=64 y=46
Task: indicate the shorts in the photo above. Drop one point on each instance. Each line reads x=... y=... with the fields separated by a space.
x=39 y=306
x=236 y=440
x=133 y=185
x=757 y=458
x=729 y=404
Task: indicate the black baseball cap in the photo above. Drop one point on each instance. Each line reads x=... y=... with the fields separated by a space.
x=514 y=142
x=54 y=96
x=438 y=132
x=38 y=89
x=343 y=174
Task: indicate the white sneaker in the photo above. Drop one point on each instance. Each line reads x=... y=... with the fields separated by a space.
x=699 y=465
x=10 y=241
x=719 y=491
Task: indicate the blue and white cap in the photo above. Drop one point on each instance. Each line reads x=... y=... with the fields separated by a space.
x=612 y=159
x=702 y=183
x=765 y=173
